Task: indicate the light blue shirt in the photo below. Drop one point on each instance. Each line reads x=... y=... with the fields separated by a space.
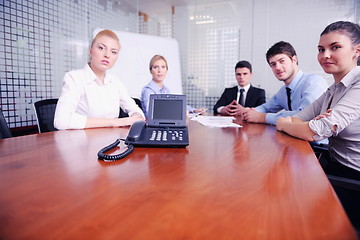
x=305 y=89
x=151 y=88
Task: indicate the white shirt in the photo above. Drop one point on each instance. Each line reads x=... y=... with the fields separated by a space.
x=83 y=96
x=246 y=89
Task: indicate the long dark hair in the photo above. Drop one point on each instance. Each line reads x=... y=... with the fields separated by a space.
x=352 y=30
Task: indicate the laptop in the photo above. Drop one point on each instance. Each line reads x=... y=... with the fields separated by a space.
x=166 y=123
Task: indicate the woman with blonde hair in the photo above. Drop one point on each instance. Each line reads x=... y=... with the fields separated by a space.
x=158 y=68
x=90 y=96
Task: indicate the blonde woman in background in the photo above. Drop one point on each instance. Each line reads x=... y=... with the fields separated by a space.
x=158 y=68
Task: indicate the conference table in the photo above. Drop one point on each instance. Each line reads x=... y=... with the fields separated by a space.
x=252 y=182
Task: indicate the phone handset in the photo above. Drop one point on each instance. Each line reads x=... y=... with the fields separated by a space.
x=135 y=132
x=133 y=136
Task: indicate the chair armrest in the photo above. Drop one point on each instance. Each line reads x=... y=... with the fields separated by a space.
x=347 y=183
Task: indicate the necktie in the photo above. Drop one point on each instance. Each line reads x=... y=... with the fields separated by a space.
x=241 y=98
x=288 y=98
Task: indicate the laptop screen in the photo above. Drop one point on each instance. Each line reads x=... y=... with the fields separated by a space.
x=167 y=110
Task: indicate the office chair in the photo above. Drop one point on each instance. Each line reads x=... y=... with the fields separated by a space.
x=320 y=148
x=348 y=191
x=4 y=128
x=124 y=114
x=45 y=111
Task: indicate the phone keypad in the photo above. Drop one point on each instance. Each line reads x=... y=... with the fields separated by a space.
x=166 y=135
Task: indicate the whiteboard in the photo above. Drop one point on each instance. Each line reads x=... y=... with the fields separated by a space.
x=132 y=66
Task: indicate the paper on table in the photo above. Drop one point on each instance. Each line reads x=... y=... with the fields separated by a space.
x=216 y=121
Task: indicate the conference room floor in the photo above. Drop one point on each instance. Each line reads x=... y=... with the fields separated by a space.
x=229 y=183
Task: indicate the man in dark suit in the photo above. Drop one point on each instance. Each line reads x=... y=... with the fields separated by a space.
x=234 y=99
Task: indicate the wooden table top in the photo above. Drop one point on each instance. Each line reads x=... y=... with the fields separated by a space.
x=229 y=183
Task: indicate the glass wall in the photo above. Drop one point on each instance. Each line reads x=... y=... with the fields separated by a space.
x=214 y=37
x=43 y=39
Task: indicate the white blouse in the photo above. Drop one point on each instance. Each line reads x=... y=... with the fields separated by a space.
x=83 y=96
x=342 y=127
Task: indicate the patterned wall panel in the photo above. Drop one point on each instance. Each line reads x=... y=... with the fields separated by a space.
x=40 y=40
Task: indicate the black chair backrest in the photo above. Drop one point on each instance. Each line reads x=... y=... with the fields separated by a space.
x=124 y=114
x=348 y=191
x=45 y=111
x=4 y=128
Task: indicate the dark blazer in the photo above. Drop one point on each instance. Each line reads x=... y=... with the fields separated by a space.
x=254 y=97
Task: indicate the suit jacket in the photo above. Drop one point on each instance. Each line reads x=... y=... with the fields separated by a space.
x=254 y=97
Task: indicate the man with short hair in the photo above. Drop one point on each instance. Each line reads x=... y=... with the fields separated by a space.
x=234 y=99
x=300 y=89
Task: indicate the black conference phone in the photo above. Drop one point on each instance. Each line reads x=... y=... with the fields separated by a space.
x=166 y=127
x=144 y=136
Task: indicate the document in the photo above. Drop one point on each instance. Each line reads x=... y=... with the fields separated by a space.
x=216 y=121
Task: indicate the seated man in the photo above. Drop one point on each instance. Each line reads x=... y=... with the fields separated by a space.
x=300 y=89
x=232 y=99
